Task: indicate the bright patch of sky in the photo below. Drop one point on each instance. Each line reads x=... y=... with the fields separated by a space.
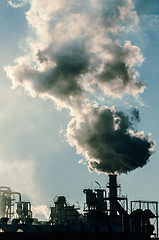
x=33 y=149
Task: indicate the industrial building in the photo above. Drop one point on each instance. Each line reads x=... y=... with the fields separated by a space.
x=106 y=215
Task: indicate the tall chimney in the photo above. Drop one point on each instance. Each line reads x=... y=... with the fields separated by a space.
x=113 y=198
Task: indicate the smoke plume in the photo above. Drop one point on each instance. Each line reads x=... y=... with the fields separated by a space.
x=41 y=211
x=106 y=140
x=74 y=54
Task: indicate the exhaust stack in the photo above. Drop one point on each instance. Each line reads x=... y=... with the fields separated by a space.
x=113 y=197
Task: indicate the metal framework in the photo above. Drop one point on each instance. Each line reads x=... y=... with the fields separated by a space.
x=147 y=205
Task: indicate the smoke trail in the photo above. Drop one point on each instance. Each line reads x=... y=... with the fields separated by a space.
x=74 y=54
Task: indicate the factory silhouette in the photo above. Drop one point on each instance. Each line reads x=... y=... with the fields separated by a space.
x=106 y=215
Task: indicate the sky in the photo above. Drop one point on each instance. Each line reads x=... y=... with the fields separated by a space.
x=79 y=98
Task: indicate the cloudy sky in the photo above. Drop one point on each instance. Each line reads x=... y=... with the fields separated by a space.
x=79 y=97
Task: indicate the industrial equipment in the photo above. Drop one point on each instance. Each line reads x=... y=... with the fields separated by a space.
x=24 y=211
x=64 y=213
x=105 y=216
x=7 y=202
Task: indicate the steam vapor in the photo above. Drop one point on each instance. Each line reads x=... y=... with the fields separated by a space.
x=75 y=54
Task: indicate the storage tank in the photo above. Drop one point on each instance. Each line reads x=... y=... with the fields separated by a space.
x=101 y=202
x=91 y=200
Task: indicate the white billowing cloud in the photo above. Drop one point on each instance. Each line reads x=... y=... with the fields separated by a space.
x=17 y=3
x=72 y=47
x=60 y=83
x=117 y=75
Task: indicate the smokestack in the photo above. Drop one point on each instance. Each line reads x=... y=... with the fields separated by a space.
x=113 y=198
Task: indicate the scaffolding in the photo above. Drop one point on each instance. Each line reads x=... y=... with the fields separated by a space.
x=151 y=207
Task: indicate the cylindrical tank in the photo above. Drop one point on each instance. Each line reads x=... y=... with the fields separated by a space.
x=61 y=200
x=101 y=203
x=25 y=208
x=19 y=209
x=2 y=205
x=90 y=198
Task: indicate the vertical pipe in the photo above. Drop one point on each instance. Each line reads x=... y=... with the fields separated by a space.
x=157 y=216
x=113 y=198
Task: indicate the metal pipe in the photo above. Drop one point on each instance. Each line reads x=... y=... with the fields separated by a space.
x=113 y=193
x=113 y=198
x=17 y=194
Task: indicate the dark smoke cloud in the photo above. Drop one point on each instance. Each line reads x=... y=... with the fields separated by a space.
x=115 y=70
x=107 y=144
x=61 y=80
x=118 y=75
x=135 y=115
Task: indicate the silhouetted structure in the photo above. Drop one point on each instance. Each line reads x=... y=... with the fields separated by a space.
x=105 y=216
